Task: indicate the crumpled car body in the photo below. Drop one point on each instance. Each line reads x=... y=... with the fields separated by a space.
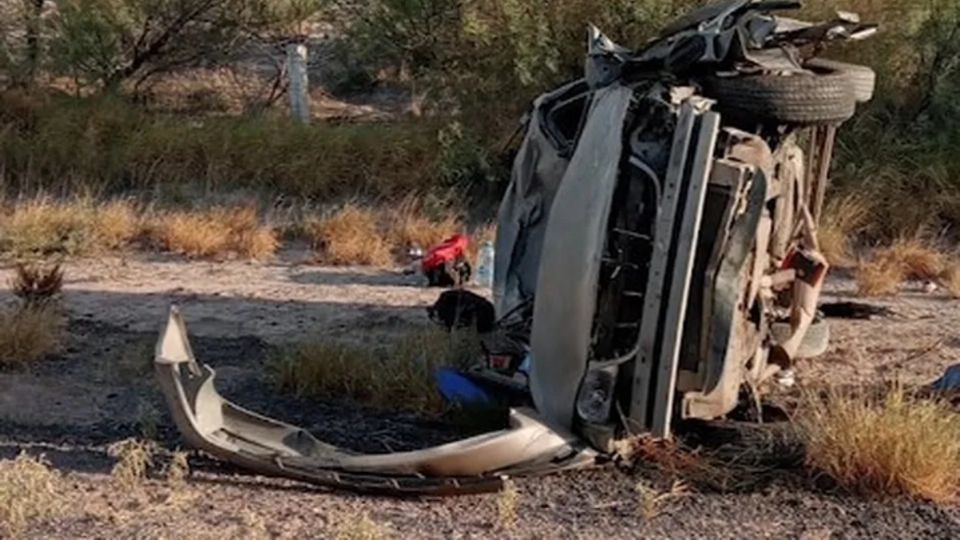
x=657 y=244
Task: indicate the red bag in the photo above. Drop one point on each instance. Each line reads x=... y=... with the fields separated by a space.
x=446 y=264
x=450 y=250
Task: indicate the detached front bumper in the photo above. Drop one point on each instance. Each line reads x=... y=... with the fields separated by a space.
x=230 y=433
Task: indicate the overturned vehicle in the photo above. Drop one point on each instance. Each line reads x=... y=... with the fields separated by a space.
x=656 y=255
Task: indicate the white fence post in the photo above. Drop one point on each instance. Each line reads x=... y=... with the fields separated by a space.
x=299 y=83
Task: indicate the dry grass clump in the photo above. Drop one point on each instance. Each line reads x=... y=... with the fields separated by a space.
x=117 y=223
x=950 y=278
x=221 y=232
x=892 y=444
x=29 y=490
x=398 y=375
x=411 y=225
x=45 y=226
x=134 y=460
x=350 y=235
x=177 y=469
x=191 y=234
x=651 y=501
x=906 y=258
x=74 y=227
x=920 y=258
x=36 y=284
x=353 y=234
x=842 y=219
x=879 y=277
x=29 y=333
x=675 y=462
x=81 y=226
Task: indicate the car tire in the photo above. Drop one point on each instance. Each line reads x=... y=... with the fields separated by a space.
x=861 y=78
x=800 y=99
x=815 y=342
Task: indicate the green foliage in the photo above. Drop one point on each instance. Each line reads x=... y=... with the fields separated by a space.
x=328 y=369
x=464 y=160
x=901 y=147
x=474 y=65
x=487 y=56
x=108 y=42
x=108 y=145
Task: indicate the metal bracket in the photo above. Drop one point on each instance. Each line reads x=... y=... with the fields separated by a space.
x=668 y=287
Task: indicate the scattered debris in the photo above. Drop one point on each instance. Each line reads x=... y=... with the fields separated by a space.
x=460 y=308
x=651 y=501
x=854 y=310
x=950 y=380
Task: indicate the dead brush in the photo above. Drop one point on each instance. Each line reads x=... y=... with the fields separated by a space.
x=411 y=225
x=652 y=501
x=117 y=223
x=30 y=333
x=350 y=235
x=889 y=442
x=190 y=234
x=134 y=461
x=248 y=237
x=221 y=232
x=714 y=458
x=29 y=490
x=920 y=258
x=879 y=277
x=44 y=226
x=908 y=257
x=177 y=469
x=842 y=219
x=950 y=278
x=674 y=462
x=37 y=284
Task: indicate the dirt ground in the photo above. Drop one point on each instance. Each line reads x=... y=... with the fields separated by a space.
x=100 y=391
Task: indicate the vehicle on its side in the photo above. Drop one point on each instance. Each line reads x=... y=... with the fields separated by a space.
x=656 y=253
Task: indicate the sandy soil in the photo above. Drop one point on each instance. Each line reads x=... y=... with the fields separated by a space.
x=100 y=390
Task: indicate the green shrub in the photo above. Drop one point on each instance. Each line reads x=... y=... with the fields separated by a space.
x=109 y=145
x=398 y=375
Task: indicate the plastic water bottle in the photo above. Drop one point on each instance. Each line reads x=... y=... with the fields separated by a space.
x=485 y=265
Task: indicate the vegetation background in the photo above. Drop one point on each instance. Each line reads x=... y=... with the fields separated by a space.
x=171 y=99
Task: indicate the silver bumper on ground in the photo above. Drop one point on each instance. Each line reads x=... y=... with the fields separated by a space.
x=230 y=433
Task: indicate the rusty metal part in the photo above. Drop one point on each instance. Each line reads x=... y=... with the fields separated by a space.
x=811 y=273
x=822 y=144
x=228 y=432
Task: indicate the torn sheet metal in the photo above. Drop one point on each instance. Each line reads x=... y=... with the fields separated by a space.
x=570 y=259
